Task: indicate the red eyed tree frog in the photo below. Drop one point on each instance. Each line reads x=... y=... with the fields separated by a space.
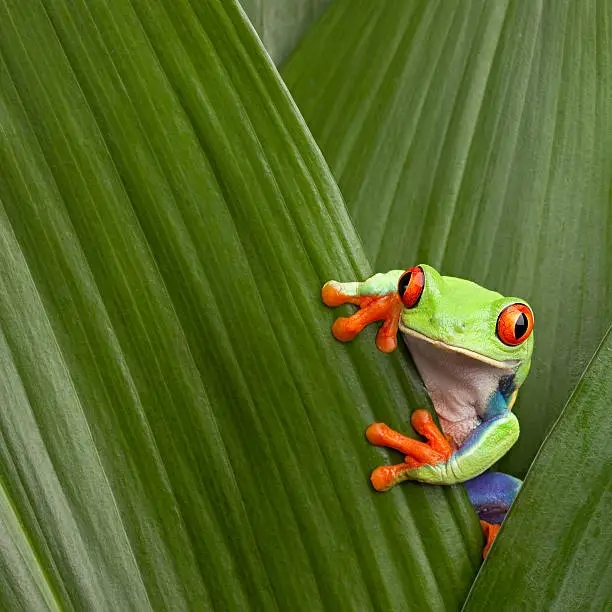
x=472 y=348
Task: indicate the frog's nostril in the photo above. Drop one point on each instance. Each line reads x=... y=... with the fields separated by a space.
x=460 y=327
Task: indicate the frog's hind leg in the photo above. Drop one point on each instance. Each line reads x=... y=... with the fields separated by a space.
x=492 y=494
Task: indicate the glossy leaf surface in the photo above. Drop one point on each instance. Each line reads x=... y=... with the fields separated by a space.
x=477 y=137
x=554 y=551
x=178 y=428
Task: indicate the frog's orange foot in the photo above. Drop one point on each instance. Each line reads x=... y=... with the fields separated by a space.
x=490 y=530
x=385 y=308
x=436 y=450
x=386 y=476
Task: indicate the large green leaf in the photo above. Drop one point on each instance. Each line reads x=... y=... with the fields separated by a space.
x=554 y=551
x=477 y=136
x=281 y=23
x=178 y=429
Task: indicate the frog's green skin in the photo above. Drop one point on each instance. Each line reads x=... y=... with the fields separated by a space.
x=453 y=327
x=471 y=375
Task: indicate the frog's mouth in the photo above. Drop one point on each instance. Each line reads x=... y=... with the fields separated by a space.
x=461 y=383
x=505 y=365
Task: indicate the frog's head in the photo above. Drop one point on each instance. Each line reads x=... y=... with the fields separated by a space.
x=459 y=318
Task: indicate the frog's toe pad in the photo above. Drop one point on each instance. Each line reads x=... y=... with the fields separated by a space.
x=386 y=343
x=332 y=294
x=386 y=476
x=344 y=330
x=382 y=478
x=376 y=434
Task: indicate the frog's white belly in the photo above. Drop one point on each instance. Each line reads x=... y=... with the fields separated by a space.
x=460 y=386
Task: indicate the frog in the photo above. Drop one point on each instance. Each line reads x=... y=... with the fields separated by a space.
x=472 y=348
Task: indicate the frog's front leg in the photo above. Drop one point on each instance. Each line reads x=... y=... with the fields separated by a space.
x=378 y=300
x=418 y=454
x=487 y=443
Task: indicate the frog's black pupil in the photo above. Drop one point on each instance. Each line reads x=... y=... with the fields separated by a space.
x=520 y=327
x=404 y=282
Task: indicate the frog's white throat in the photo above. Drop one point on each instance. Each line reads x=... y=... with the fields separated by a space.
x=459 y=382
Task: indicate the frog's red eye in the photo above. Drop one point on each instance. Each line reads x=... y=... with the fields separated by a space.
x=410 y=286
x=514 y=324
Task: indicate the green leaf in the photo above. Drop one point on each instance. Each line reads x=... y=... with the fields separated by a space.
x=553 y=552
x=281 y=23
x=178 y=428
x=477 y=137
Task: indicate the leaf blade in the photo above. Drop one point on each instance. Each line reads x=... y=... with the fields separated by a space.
x=170 y=211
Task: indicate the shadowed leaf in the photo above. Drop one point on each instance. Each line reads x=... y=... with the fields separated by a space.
x=281 y=23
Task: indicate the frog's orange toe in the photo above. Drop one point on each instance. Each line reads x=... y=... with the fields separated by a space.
x=490 y=530
x=424 y=424
x=376 y=434
x=420 y=419
x=386 y=344
x=343 y=330
x=382 y=478
x=331 y=294
x=386 y=476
